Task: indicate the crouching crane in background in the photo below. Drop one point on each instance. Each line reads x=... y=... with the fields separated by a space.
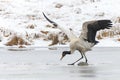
x=86 y=40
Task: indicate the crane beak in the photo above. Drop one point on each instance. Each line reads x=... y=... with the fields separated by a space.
x=62 y=57
x=64 y=54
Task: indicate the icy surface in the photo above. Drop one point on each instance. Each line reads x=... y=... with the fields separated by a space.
x=44 y=64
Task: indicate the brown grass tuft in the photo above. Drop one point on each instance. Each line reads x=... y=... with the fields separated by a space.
x=50 y=26
x=58 y=5
x=118 y=39
x=21 y=46
x=99 y=37
x=117 y=20
x=54 y=39
x=44 y=32
x=105 y=34
x=13 y=41
x=31 y=26
x=16 y=41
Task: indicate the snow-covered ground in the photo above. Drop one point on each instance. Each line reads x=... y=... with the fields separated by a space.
x=17 y=15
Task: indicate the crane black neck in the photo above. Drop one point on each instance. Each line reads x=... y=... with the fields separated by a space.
x=67 y=52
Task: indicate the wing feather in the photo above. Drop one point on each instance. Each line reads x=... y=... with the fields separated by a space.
x=68 y=32
x=90 y=28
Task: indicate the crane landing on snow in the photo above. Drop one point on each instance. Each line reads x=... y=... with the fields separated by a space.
x=86 y=40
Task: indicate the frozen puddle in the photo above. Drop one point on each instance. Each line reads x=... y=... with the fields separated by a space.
x=44 y=64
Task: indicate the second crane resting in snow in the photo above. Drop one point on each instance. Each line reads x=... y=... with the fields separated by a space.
x=86 y=40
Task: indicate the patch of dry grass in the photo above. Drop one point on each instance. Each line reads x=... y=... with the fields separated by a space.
x=111 y=33
x=55 y=37
x=16 y=41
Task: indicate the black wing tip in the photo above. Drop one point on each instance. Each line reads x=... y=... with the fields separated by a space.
x=47 y=18
x=55 y=24
x=105 y=23
x=43 y=14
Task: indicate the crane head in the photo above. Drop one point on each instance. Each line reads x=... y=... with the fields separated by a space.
x=64 y=54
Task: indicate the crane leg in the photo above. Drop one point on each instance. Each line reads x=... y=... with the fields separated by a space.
x=85 y=58
x=77 y=60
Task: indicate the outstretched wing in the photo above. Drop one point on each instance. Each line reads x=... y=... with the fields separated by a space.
x=90 y=28
x=68 y=32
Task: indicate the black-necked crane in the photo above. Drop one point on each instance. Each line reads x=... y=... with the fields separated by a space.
x=86 y=40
